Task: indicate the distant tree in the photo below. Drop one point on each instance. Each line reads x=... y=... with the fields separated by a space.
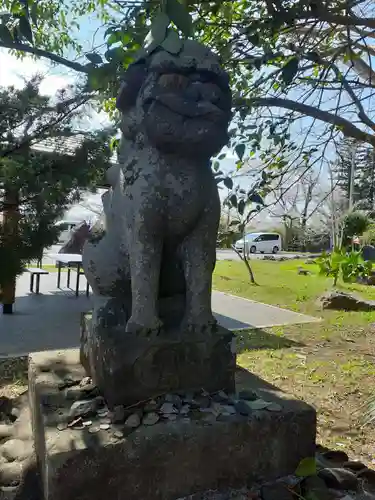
x=45 y=163
x=360 y=158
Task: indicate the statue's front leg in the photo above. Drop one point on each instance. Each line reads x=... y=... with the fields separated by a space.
x=145 y=251
x=199 y=256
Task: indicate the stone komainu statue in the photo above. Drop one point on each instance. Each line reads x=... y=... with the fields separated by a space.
x=150 y=259
x=159 y=232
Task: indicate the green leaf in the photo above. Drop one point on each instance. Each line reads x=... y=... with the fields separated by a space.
x=114 y=144
x=228 y=183
x=241 y=207
x=222 y=156
x=180 y=16
x=25 y=29
x=173 y=43
x=306 y=467
x=94 y=58
x=289 y=71
x=256 y=198
x=216 y=166
x=233 y=200
x=5 y=34
x=240 y=150
x=158 y=31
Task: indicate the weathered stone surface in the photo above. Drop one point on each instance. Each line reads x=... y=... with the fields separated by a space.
x=16 y=449
x=129 y=368
x=339 y=478
x=171 y=458
x=151 y=267
x=346 y=301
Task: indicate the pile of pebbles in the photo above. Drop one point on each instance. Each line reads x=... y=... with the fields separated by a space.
x=89 y=411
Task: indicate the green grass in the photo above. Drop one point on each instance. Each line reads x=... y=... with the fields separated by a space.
x=330 y=364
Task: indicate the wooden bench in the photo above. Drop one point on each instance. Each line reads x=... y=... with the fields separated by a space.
x=35 y=271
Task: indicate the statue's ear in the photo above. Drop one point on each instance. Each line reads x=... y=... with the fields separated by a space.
x=130 y=86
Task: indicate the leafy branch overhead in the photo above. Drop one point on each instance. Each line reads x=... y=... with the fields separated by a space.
x=286 y=59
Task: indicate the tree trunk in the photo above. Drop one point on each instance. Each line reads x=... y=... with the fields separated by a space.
x=10 y=229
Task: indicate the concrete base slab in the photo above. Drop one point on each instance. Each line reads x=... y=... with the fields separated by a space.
x=169 y=459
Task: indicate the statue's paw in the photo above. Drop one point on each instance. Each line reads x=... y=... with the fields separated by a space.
x=203 y=323
x=144 y=328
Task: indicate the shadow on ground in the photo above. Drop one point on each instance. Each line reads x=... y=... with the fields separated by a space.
x=257 y=338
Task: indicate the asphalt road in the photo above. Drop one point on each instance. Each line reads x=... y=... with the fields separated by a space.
x=231 y=255
x=221 y=255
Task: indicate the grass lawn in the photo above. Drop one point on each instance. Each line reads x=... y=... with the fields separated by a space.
x=328 y=364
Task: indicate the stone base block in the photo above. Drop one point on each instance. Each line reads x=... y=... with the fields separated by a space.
x=129 y=368
x=167 y=460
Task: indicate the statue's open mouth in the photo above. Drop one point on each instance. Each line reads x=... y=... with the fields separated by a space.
x=191 y=95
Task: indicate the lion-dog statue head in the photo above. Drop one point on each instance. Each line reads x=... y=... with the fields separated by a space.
x=180 y=104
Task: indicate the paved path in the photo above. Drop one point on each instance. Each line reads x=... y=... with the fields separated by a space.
x=51 y=320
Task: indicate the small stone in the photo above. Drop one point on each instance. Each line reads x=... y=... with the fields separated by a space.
x=14 y=413
x=172 y=417
x=188 y=398
x=174 y=399
x=168 y=408
x=186 y=420
x=220 y=397
x=118 y=416
x=85 y=381
x=258 y=404
x=204 y=393
x=94 y=429
x=337 y=456
x=133 y=421
x=102 y=413
x=105 y=420
x=354 y=466
x=150 y=418
x=152 y=405
x=87 y=423
x=210 y=419
x=242 y=407
x=83 y=407
x=10 y=474
x=62 y=426
x=118 y=434
x=276 y=491
x=275 y=407
x=17 y=450
x=228 y=409
x=6 y=431
x=185 y=409
x=367 y=477
x=104 y=427
x=68 y=382
x=204 y=402
x=315 y=487
x=339 y=478
x=248 y=395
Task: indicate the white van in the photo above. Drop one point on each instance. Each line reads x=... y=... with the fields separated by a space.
x=259 y=242
x=66 y=227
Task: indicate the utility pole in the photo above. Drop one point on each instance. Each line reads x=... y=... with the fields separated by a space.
x=352 y=176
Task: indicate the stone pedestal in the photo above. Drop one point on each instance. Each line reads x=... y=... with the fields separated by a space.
x=167 y=460
x=129 y=368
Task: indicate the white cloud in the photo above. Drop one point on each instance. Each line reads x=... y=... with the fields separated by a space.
x=14 y=71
